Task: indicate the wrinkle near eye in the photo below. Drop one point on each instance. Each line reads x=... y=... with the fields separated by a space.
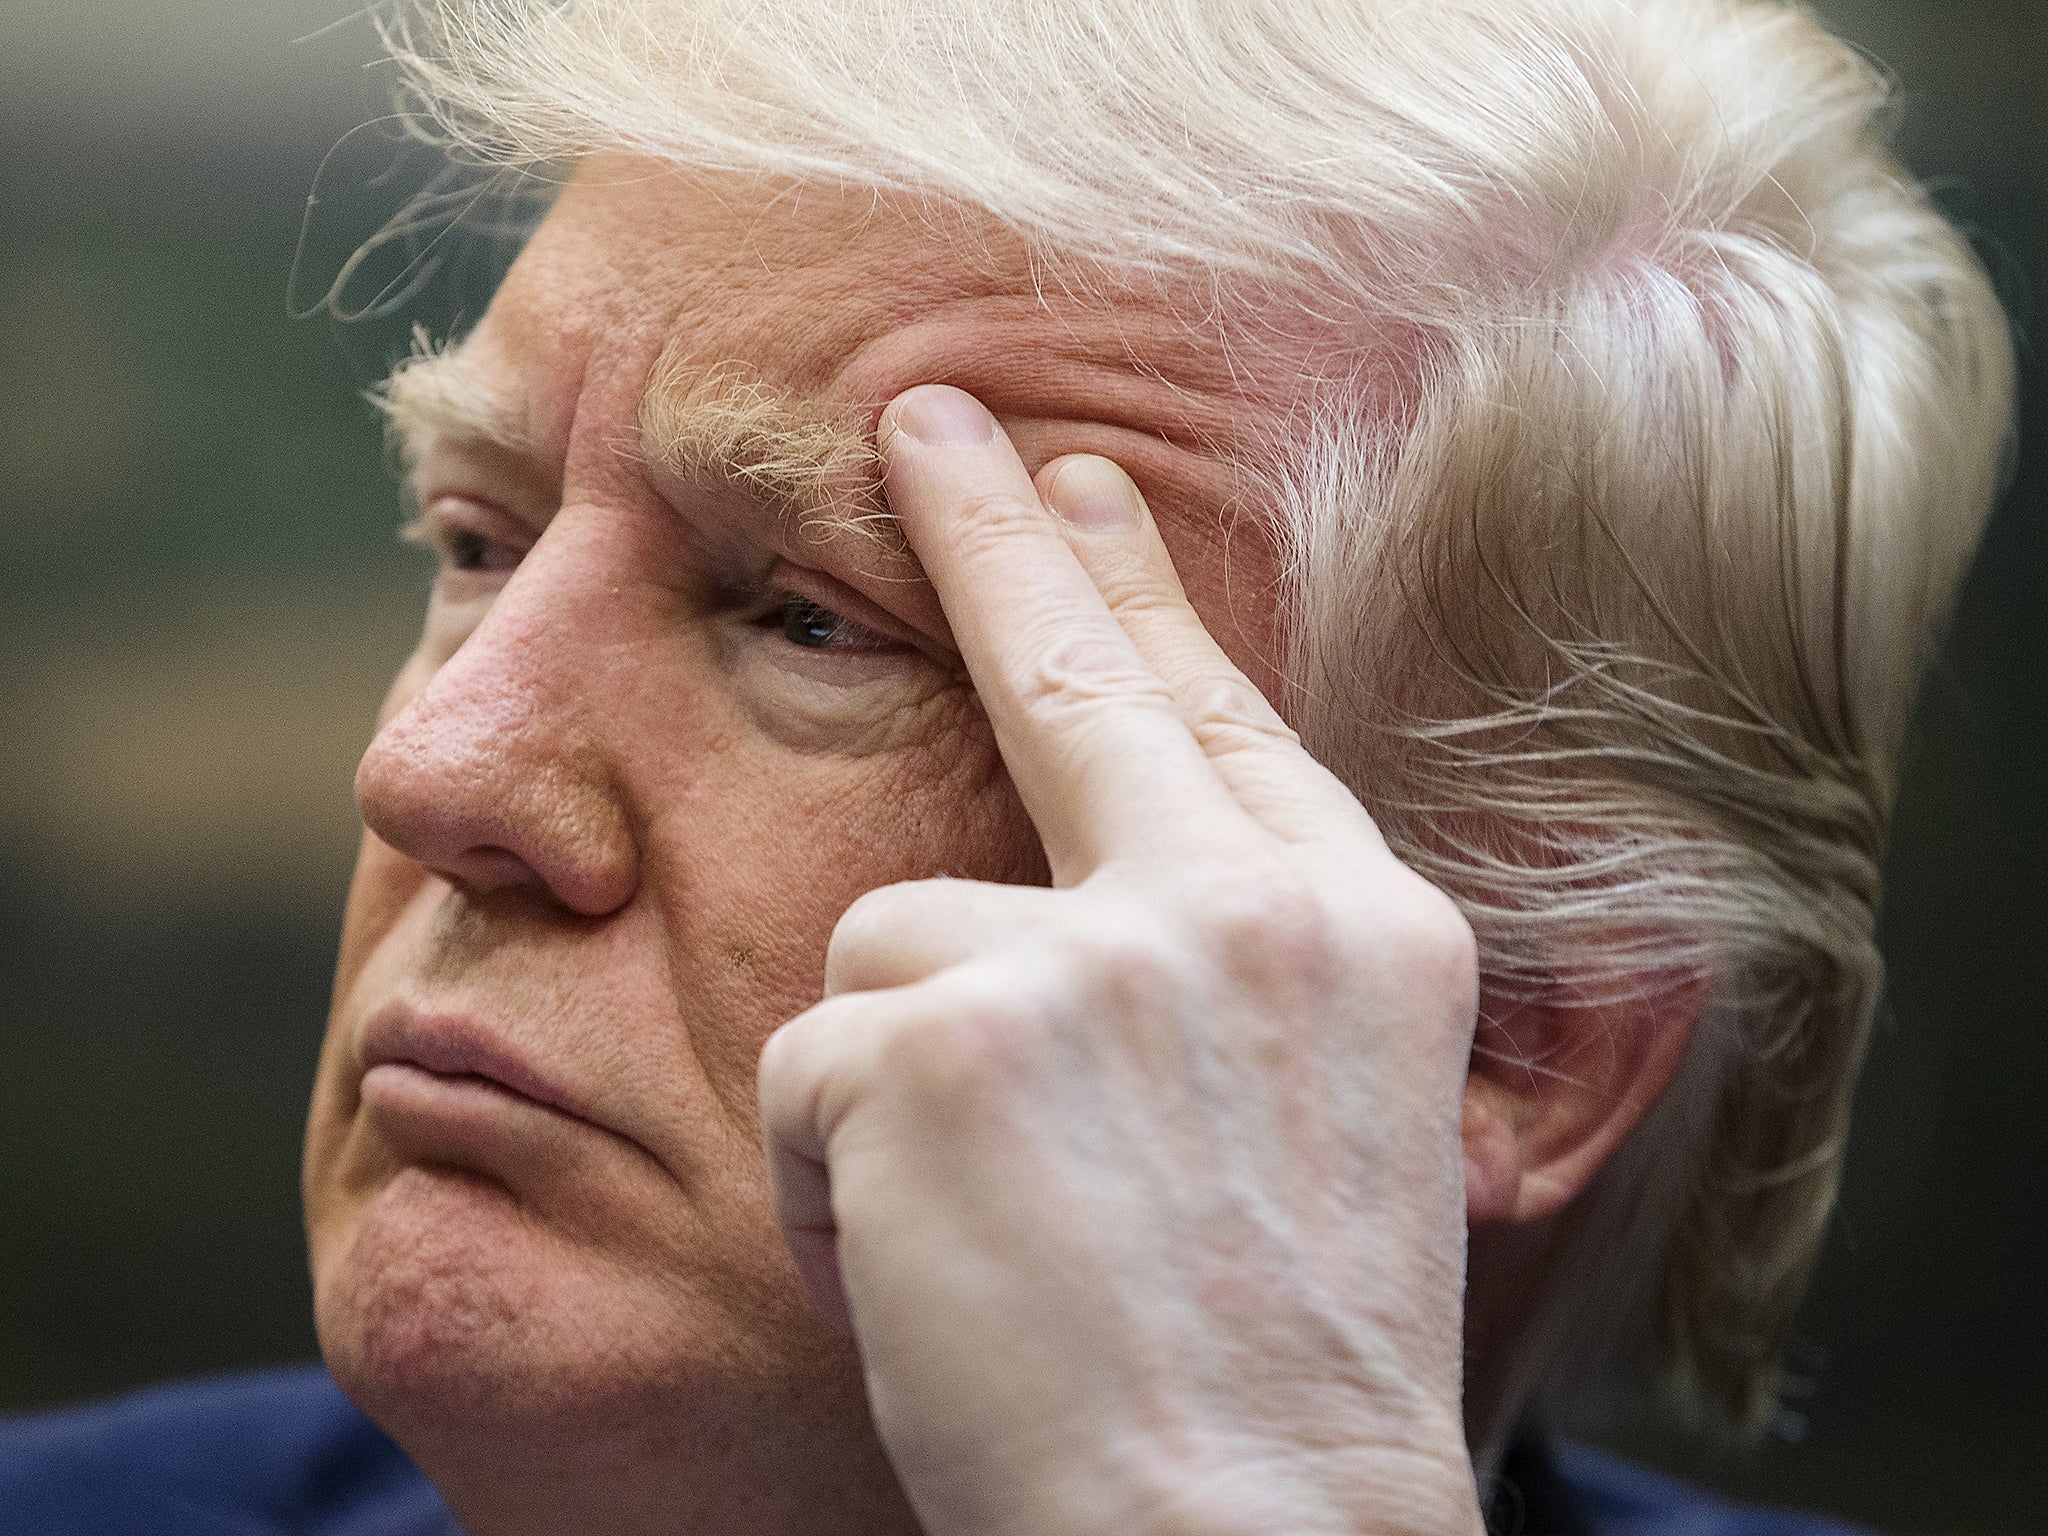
x=817 y=681
x=848 y=704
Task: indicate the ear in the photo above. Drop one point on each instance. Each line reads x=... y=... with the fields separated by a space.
x=1558 y=1082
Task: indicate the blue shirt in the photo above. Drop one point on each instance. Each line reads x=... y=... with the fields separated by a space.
x=272 y=1453
x=283 y=1453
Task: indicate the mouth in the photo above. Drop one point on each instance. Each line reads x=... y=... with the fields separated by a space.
x=444 y=1091
x=410 y=1052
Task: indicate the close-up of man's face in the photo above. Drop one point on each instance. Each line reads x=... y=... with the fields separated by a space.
x=665 y=723
x=1149 y=786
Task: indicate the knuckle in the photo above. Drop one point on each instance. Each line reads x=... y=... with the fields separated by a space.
x=895 y=934
x=986 y=522
x=1228 y=714
x=1065 y=676
x=967 y=1048
x=869 y=920
x=1221 y=738
x=1140 y=598
x=1128 y=955
x=1270 y=920
x=797 y=1057
x=781 y=1055
x=1434 y=949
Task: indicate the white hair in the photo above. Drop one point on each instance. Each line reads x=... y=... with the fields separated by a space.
x=1651 y=414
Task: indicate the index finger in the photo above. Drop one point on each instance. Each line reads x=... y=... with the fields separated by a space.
x=1091 y=735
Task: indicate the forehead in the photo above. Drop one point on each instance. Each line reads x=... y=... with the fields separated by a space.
x=839 y=294
x=840 y=301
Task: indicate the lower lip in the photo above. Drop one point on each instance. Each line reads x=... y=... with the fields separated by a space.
x=455 y=1107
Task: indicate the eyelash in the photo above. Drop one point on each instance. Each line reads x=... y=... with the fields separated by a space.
x=459 y=549
x=797 y=617
x=467 y=550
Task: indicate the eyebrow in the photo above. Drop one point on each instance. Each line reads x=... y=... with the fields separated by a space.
x=706 y=422
x=801 y=457
x=438 y=391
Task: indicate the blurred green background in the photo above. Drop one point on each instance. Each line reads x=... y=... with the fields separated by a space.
x=201 y=599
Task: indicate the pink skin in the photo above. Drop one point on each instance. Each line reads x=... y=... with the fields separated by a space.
x=613 y=817
x=612 y=823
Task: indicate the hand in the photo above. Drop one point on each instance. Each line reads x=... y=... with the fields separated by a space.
x=1142 y=1194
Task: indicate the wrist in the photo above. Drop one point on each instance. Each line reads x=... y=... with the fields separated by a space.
x=1405 y=1490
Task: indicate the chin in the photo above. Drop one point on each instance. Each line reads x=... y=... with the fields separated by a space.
x=441 y=1298
x=535 y=1378
x=447 y=1310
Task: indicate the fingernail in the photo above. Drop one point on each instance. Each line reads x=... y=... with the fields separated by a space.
x=944 y=417
x=1095 y=494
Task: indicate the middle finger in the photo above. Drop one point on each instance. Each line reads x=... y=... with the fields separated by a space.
x=1091 y=736
x=1254 y=751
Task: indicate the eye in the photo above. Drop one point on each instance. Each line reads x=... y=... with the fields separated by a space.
x=470 y=549
x=466 y=550
x=462 y=537
x=817 y=628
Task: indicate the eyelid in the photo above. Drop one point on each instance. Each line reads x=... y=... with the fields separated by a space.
x=523 y=486
x=471 y=514
x=836 y=596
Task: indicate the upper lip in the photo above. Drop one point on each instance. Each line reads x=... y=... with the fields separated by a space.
x=456 y=1045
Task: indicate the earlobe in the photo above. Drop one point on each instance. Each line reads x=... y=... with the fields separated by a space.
x=1493 y=1156
x=1557 y=1084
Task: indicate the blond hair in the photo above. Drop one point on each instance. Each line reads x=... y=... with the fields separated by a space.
x=1652 y=414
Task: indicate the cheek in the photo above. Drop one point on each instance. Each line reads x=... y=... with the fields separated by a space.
x=384 y=884
x=757 y=860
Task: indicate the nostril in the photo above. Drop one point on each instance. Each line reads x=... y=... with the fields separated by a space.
x=489 y=868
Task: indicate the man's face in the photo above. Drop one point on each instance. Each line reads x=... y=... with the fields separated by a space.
x=674 y=708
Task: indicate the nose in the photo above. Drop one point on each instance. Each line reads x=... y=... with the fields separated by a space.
x=495 y=775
